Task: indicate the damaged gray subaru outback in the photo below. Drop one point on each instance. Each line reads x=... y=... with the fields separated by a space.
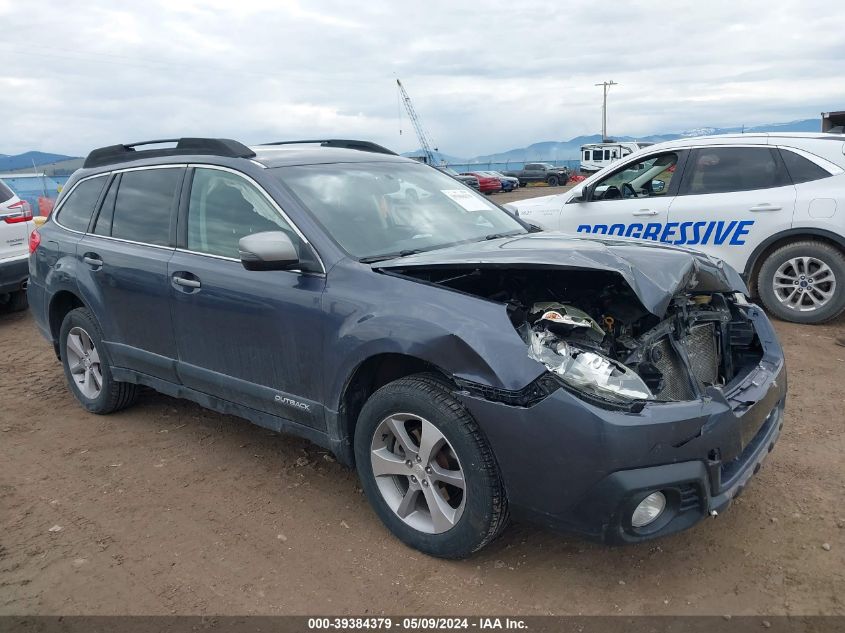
x=471 y=367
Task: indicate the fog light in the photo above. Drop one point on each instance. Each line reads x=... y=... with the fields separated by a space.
x=649 y=509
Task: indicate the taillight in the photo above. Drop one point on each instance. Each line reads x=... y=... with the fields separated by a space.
x=24 y=212
x=34 y=241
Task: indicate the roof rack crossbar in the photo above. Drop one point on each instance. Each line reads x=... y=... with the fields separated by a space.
x=343 y=143
x=186 y=146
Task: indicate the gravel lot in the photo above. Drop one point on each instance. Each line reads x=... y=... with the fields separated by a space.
x=167 y=508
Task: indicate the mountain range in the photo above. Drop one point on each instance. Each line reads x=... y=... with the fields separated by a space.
x=28 y=159
x=571 y=149
x=544 y=150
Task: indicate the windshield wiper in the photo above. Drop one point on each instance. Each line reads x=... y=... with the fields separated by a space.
x=495 y=236
x=381 y=258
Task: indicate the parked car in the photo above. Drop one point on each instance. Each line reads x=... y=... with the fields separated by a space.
x=540 y=172
x=470 y=368
x=15 y=225
x=768 y=204
x=486 y=182
x=470 y=181
x=509 y=183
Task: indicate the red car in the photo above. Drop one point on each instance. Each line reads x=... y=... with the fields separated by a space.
x=488 y=184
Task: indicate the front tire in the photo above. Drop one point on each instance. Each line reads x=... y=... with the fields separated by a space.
x=553 y=181
x=85 y=361
x=803 y=282
x=427 y=470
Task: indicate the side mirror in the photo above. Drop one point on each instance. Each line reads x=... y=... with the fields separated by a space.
x=270 y=250
x=579 y=194
x=657 y=186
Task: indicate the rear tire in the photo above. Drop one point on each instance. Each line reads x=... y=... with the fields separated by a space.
x=803 y=282
x=418 y=417
x=17 y=301
x=87 y=367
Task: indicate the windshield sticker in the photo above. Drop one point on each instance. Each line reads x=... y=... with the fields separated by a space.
x=466 y=199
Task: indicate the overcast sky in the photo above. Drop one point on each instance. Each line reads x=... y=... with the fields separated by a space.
x=484 y=76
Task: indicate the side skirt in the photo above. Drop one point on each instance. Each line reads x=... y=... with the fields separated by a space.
x=266 y=420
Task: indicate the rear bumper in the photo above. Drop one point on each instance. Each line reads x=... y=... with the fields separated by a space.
x=13 y=274
x=573 y=466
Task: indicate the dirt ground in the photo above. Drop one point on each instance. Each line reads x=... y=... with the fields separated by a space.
x=168 y=508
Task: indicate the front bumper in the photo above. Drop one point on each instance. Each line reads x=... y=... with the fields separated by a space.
x=573 y=466
x=13 y=274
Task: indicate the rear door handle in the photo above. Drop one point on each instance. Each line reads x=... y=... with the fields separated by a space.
x=765 y=207
x=92 y=259
x=645 y=212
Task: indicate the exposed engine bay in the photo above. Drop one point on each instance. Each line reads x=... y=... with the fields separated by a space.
x=589 y=329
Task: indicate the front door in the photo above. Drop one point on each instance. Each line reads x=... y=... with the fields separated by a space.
x=250 y=337
x=632 y=201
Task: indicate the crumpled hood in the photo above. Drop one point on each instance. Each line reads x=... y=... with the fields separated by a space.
x=655 y=272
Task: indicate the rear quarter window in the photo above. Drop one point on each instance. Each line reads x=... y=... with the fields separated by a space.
x=77 y=209
x=801 y=169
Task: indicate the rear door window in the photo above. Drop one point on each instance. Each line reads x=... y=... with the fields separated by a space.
x=77 y=209
x=727 y=169
x=801 y=169
x=145 y=205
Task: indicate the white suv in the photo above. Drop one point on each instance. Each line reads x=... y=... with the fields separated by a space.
x=770 y=205
x=15 y=227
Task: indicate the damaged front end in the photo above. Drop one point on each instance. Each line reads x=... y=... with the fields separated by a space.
x=596 y=338
x=621 y=323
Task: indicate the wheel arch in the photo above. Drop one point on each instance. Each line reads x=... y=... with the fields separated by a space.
x=367 y=377
x=61 y=303
x=774 y=242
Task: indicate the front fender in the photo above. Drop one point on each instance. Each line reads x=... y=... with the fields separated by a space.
x=377 y=313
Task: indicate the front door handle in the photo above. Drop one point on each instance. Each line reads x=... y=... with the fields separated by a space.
x=645 y=212
x=186 y=283
x=92 y=259
x=765 y=207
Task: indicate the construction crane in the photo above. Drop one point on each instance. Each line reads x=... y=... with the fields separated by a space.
x=425 y=143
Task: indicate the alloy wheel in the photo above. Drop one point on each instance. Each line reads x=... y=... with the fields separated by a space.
x=804 y=284
x=83 y=361
x=418 y=473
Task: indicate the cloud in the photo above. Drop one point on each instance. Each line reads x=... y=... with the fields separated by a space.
x=483 y=78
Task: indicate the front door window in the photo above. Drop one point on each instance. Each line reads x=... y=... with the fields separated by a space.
x=644 y=179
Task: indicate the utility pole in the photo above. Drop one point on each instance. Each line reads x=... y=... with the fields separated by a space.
x=605 y=85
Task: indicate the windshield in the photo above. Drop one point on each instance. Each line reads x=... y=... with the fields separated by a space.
x=388 y=209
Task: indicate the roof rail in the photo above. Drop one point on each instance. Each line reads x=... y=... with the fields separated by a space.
x=184 y=147
x=364 y=146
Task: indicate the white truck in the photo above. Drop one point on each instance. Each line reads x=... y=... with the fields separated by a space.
x=770 y=205
x=596 y=156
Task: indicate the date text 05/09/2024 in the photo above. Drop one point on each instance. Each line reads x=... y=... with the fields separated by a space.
x=716 y=232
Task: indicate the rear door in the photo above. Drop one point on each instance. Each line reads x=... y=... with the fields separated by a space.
x=250 y=337
x=731 y=199
x=632 y=201
x=123 y=268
